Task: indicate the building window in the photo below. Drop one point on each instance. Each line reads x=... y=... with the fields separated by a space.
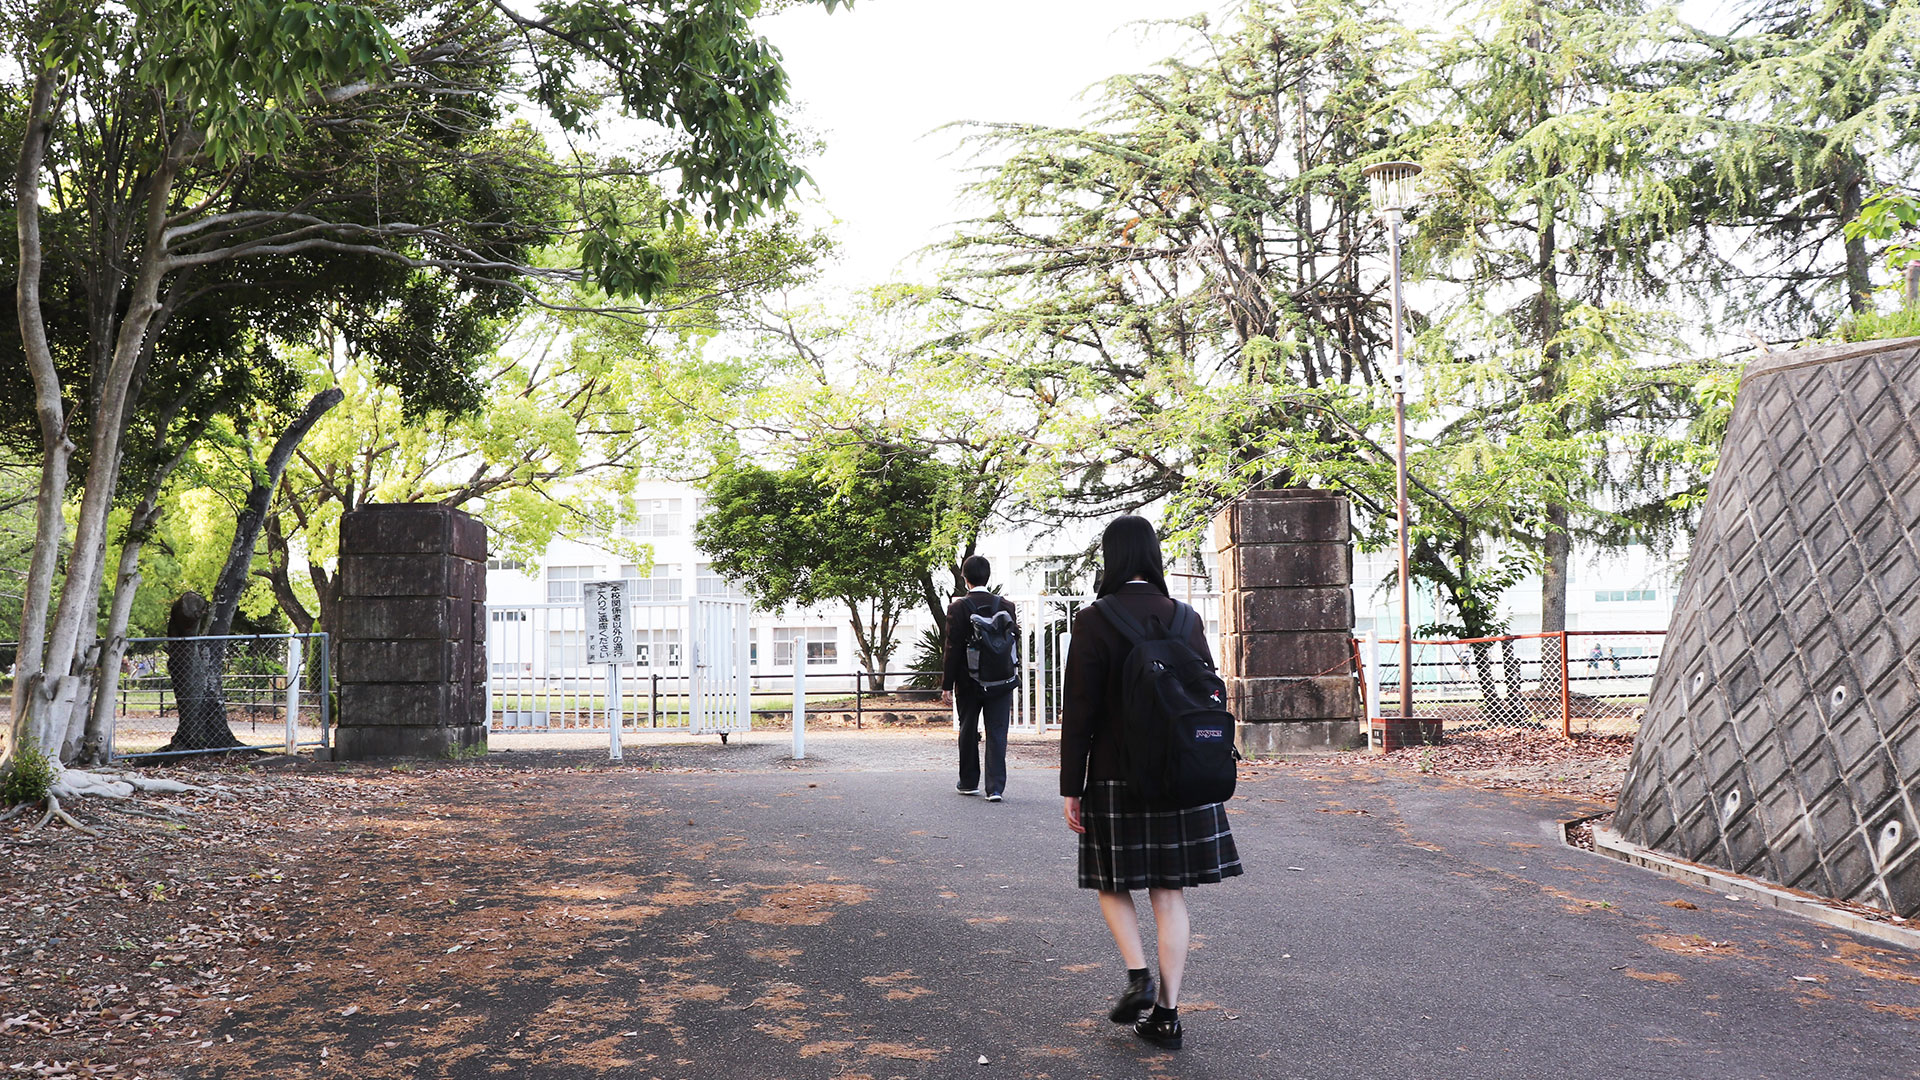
x=822 y=644
x=507 y=616
x=563 y=583
x=663 y=585
x=1631 y=596
x=711 y=583
x=653 y=517
x=657 y=648
x=505 y=564
x=566 y=649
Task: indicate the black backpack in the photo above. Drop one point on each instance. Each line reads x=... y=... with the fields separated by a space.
x=993 y=649
x=1174 y=723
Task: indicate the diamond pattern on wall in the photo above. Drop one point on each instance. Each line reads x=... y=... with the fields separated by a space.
x=1782 y=733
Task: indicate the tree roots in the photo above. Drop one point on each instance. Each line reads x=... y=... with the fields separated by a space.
x=74 y=783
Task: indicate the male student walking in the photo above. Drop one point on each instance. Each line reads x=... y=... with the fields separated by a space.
x=980 y=671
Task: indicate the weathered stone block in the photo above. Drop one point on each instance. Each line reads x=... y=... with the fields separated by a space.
x=1259 y=610
x=1305 y=697
x=1320 y=652
x=430 y=660
x=1291 y=516
x=405 y=704
x=1260 y=738
x=1270 y=566
x=409 y=528
x=403 y=575
x=391 y=618
x=425 y=741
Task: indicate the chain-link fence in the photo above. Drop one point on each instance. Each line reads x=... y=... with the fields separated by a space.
x=1577 y=681
x=177 y=696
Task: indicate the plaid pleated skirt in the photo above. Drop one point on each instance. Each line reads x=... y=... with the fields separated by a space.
x=1126 y=848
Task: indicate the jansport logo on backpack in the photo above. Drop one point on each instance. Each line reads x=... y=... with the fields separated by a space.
x=1175 y=725
x=993 y=653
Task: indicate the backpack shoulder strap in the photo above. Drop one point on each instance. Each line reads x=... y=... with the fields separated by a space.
x=1183 y=615
x=1128 y=626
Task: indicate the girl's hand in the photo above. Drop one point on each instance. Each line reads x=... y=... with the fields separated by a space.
x=1073 y=814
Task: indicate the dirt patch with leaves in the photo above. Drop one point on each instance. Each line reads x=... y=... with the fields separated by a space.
x=1586 y=766
x=348 y=919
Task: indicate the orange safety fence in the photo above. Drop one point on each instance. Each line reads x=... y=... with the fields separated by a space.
x=1566 y=682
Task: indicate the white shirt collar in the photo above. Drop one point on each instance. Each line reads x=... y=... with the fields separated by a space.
x=978 y=588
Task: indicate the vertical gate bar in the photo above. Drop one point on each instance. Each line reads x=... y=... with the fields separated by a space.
x=1044 y=710
x=293 y=693
x=692 y=657
x=742 y=675
x=326 y=692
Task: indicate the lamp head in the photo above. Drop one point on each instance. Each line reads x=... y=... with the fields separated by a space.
x=1391 y=185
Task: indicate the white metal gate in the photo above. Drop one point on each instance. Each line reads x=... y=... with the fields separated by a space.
x=720 y=697
x=690 y=671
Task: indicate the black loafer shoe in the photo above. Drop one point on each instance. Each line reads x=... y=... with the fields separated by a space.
x=1159 y=1032
x=1135 y=1002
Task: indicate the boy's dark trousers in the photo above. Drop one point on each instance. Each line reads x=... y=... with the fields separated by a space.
x=997 y=712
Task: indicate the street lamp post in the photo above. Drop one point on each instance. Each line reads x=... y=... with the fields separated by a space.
x=1391 y=185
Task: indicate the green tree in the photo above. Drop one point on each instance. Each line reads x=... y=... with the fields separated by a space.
x=178 y=159
x=1803 y=110
x=795 y=538
x=1559 y=222
x=1179 y=285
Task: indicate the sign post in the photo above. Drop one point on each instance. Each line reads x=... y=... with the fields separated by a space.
x=610 y=642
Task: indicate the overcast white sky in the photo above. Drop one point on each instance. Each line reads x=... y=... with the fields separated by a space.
x=877 y=80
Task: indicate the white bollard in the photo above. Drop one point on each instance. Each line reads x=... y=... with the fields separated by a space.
x=293 y=695
x=800 y=708
x=614 y=753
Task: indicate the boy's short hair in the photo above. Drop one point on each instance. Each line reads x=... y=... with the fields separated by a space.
x=977 y=570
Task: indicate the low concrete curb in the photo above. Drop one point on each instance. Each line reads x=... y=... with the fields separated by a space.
x=1805 y=905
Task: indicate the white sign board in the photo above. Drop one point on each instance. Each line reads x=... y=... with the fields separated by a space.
x=609 y=636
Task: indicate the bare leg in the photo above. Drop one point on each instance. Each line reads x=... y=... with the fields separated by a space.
x=1124 y=923
x=1170 y=920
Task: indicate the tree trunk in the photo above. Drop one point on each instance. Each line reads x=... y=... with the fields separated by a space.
x=99 y=733
x=32 y=718
x=1557 y=546
x=53 y=697
x=1859 y=277
x=195 y=667
x=246 y=531
x=1483 y=672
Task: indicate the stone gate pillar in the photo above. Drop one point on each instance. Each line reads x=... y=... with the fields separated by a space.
x=412 y=633
x=1286 y=621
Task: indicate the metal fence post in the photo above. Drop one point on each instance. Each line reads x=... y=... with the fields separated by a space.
x=653 y=704
x=1566 y=689
x=859 y=711
x=799 y=712
x=294 y=673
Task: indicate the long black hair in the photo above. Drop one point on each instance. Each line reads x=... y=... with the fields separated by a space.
x=1129 y=549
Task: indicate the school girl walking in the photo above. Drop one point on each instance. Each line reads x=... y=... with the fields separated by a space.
x=1124 y=845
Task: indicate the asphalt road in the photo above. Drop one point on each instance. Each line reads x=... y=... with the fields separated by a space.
x=836 y=920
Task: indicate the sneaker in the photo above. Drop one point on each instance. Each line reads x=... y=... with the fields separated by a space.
x=1159 y=1032
x=994 y=797
x=965 y=790
x=1135 y=1002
